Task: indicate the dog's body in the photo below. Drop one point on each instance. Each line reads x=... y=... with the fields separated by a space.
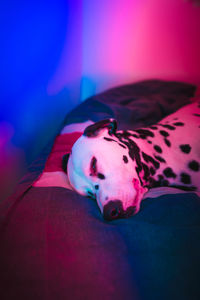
x=118 y=167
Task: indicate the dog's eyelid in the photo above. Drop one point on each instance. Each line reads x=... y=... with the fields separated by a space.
x=93 y=166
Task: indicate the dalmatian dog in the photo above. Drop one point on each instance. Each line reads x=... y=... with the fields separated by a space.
x=118 y=167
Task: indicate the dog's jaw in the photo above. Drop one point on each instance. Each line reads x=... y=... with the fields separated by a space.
x=140 y=191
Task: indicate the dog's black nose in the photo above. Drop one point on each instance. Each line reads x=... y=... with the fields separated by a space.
x=113 y=210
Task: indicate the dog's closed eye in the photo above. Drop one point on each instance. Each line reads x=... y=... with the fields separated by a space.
x=93 y=166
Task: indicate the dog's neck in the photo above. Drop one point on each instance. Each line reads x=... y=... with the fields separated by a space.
x=140 y=150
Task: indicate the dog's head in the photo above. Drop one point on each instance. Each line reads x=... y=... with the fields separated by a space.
x=100 y=166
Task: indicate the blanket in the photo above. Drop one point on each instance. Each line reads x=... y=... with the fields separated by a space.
x=54 y=243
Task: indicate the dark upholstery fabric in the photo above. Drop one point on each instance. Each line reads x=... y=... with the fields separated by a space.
x=54 y=244
x=135 y=105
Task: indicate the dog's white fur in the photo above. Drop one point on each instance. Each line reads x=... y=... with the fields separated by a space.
x=121 y=179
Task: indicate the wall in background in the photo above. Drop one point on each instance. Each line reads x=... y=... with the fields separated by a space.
x=128 y=40
x=34 y=35
x=56 y=53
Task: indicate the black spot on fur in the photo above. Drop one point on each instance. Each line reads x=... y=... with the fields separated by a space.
x=96 y=187
x=150 y=142
x=167 y=142
x=109 y=139
x=148 y=158
x=196 y=115
x=161 y=159
x=185 y=178
x=121 y=145
x=127 y=133
x=179 y=124
x=152 y=183
x=170 y=127
x=145 y=132
x=135 y=136
x=134 y=150
x=100 y=176
x=153 y=127
x=158 y=149
x=194 y=165
x=161 y=181
x=142 y=136
x=125 y=159
x=146 y=171
x=164 y=133
x=152 y=171
x=112 y=140
x=168 y=172
x=186 y=148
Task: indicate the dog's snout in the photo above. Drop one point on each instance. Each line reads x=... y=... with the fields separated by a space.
x=112 y=210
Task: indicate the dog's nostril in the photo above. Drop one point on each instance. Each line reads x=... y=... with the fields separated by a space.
x=112 y=210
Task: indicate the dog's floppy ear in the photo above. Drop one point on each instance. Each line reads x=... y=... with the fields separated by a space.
x=93 y=130
x=65 y=161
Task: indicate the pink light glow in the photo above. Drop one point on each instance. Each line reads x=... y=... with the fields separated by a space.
x=170 y=42
x=125 y=41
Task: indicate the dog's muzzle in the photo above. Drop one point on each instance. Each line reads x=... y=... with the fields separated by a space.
x=114 y=210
